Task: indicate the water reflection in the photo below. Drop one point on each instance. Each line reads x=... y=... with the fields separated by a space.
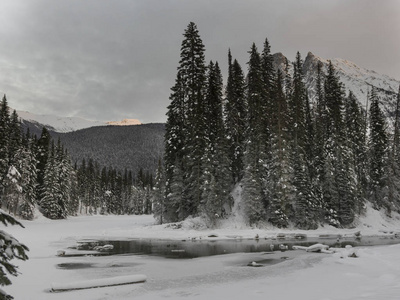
x=199 y=248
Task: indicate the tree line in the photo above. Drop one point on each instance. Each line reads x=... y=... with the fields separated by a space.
x=292 y=161
x=38 y=173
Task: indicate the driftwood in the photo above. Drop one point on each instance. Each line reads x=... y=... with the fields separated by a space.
x=97 y=283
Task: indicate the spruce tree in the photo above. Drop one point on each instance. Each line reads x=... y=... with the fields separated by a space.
x=42 y=154
x=279 y=181
x=254 y=157
x=185 y=141
x=377 y=152
x=158 y=197
x=338 y=185
x=10 y=248
x=4 y=141
x=355 y=135
x=51 y=203
x=394 y=162
x=216 y=184
x=235 y=110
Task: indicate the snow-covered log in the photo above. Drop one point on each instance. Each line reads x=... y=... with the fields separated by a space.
x=314 y=248
x=97 y=283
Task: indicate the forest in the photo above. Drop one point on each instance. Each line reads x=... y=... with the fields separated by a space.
x=37 y=173
x=296 y=162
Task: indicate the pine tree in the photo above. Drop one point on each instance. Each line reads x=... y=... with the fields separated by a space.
x=297 y=104
x=254 y=157
x=394 y=162
x=42 y=156
x=355 y=135
x=377 y=148
x=25 y=161
x=51 y=203
x=185 y=141
x=4 y=141
x=10 y=248
x=279 y=182
x=235 y=118
x=158 y=197
x=216 y=184
x=338 y=186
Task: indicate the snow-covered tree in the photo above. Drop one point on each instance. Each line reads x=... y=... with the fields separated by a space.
x=10 y=248
x=378 y=152
x=235 y=114
x=158 y=195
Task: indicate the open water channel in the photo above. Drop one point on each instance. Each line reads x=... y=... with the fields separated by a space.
x=186 y=249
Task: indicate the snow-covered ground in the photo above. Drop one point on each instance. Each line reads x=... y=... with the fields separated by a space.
x=374 y=274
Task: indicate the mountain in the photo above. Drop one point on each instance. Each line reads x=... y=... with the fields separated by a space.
x=356 y=79
x=131 y=147
x=68 y=124
x=125 y=122
x=58 y=124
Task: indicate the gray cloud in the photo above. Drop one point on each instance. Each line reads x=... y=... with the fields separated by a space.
x=108 y=60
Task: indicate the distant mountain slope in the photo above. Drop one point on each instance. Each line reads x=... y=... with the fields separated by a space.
x=357 y=79
x=68 y=124
x=59 y=124
x=131 y=147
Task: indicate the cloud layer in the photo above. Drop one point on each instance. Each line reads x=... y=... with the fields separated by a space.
x=109 y=60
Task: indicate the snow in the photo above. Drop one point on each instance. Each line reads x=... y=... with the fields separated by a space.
x=59 y=124
x=125 y=122
x=373 y=274
x=95 y=283
x=67 y=124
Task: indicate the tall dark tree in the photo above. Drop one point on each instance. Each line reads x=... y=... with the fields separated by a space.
x=394 y=162
x=4 y=140
x=337 y=187
x=378 y=152
x=235 y=118
x=10 y=248
x=355 y=136
x=279 y=181
x=42 y=155
x=253 y=194
x=216 y=183
x=186 y=120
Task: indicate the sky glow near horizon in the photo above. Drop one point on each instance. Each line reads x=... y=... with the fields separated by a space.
x=110 y=60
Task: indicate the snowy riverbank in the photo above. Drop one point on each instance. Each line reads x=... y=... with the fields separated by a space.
x=375 y=274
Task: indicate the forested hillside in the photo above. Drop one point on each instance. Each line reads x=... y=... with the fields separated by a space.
x=121 y=147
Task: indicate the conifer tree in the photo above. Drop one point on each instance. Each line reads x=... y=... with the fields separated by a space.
x=394 y=162
x=355 y=135
x=216 y=184
x=52 y=204
x=235 y=110
x=15 y=139
x=185 y=141
x=4 y=140
x=279 y=181
x=377 y=148
x=253 y=194
x=42 y=154
x=158 y=197
x=10 y=248
x=337 y=187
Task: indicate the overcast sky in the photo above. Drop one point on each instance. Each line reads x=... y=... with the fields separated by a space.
x=113 y=59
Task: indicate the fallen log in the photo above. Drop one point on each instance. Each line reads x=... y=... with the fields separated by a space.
x=97 y=283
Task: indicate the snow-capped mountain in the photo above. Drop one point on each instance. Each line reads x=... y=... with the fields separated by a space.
x=125 y=122
x=68 y=124
x=356 y=79
x=59 y=124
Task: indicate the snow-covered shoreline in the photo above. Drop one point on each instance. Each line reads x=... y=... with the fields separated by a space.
x=216 y=277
